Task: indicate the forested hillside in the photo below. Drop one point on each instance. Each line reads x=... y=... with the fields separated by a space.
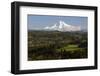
x=49 y=45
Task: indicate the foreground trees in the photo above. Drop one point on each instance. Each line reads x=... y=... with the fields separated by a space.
x=47 y=45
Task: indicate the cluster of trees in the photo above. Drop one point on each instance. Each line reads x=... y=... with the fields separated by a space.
x=48 y=45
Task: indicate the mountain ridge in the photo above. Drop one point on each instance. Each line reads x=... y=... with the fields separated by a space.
x=62 y=26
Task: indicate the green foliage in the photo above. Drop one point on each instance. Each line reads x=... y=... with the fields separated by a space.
x=49 y=45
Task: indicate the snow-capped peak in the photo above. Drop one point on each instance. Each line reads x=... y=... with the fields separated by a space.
x=62 y=26
x=62 y=23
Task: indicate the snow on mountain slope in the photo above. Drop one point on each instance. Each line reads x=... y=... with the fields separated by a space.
x=62 y=26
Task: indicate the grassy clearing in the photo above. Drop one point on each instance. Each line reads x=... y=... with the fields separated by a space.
x=71 y=47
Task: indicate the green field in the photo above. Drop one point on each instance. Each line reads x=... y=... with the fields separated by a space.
x=51 y=45
x=70 y=47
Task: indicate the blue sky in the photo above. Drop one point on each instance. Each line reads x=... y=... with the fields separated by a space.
x=41 y=21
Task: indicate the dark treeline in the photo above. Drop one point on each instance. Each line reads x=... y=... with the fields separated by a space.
x=48 y=45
